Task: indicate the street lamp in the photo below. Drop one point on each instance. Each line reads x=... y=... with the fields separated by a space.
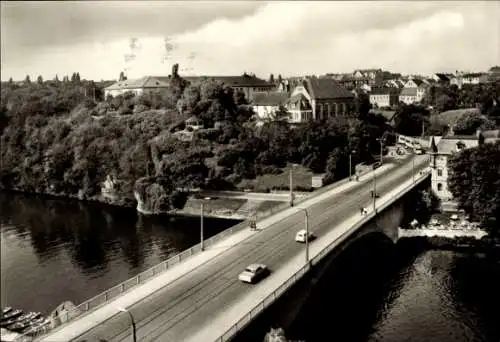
x=350 y=162
x=307 y=233
x=202 y=246
x=291 y=184
x=374 y=190
x=381 y=142
x=413 y=168
x=132 y=320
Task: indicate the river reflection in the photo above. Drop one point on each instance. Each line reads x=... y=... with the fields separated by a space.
x=55 y=250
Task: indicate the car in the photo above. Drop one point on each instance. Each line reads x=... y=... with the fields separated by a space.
x=301 y=236
x=253 y=273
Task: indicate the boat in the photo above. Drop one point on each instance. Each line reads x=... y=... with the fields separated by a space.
x=6 y=310
x=19 y=326
x=7 y=322
x=13 y=314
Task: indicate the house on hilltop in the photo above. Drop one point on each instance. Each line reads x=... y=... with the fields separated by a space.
x=247 y=84
x=138 y=86
x=385 y=97
x=266 y=105
x=413 y=91
x=325 y=97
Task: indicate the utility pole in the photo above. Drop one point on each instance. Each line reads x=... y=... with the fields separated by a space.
x=201 y=227
x=374 y=191
x=350 y=165
x=381 y=142
x=307 y=233
x=291 y=187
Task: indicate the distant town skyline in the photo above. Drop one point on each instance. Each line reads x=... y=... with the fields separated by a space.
x=223 y=38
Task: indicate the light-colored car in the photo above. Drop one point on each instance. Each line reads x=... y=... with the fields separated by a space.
x=253 y=273
x=301 y=236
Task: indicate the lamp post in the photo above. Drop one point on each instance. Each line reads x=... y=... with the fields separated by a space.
x=132 y=321
x=350 y=163
x=413 y=168
x=291 y=184
x=202 y=246
x=307 y=233
x=374 y=191
x=381 y=142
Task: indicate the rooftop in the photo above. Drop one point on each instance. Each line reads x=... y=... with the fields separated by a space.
x=275 y=98
x=326 y=88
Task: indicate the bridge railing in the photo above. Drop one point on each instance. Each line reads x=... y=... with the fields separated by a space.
x=270 y=299
x=119 y=289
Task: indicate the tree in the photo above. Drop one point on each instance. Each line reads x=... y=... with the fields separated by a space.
x=474 y=182
x=409 y=119
x=10 y=80
x=77 y=77
x=470 y=122
x=39 y=80
x=56 y=79
x=271 y=79
x=362 y=105
x=276 y=335
x=27 y=79
x=122 y=76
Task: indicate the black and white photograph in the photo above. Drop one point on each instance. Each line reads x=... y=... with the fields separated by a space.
x=250 y=171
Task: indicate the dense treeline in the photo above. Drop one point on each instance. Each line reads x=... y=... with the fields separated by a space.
x=59 y=138
x=415 y=119
x=475 y=183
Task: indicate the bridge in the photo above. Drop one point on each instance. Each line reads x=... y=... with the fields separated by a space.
x=196 y=296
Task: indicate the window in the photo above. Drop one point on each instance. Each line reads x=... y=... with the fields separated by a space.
x=440 y=172
x=440 y=186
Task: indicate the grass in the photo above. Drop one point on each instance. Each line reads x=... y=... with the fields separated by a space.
x=267 y=205
x=450 y=117
x=301 y=178
x=217 y=204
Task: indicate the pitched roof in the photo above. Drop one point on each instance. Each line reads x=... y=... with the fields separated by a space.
x=326 y=88
x=385 y=91
x=442 y=77
x=143 y=82
x=301 y=100
x=408 y=92
x=473 y=74
x=233 y=81
x=417 y=81
x=275 y=98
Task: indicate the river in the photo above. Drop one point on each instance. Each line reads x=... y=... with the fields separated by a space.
x=56 y=250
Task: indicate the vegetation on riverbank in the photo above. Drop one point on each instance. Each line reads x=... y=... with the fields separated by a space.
x=63 y=138
x=55 y=139
x=474 y=181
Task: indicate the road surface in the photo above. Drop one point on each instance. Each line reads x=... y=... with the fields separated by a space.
x=184 y=306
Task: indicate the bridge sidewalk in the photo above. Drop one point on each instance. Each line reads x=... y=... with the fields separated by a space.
x=81 y=324
x=226 y=319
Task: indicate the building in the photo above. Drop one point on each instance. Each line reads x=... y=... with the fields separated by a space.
x=398 y=84
x=442 y=78
x=300 y=109
x=384 y=97
x=247 y=84
x=442 y=151
x=138 y=86
x=413 y=91
x=326 y=98
x=266 y=105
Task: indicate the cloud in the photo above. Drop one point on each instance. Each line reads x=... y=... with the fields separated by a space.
x=290 y=38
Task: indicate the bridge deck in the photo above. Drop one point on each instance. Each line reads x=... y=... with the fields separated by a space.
x=201 y=297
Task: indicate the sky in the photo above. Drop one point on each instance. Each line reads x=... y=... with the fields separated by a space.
x=100 y=39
